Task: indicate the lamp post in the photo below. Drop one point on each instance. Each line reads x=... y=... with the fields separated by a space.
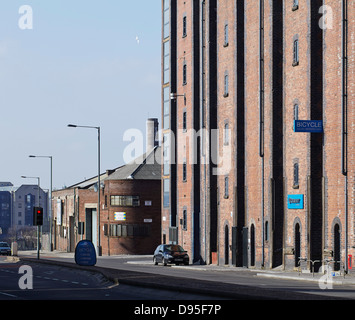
x=50 y=198
x=38 y=227
x=98 y=178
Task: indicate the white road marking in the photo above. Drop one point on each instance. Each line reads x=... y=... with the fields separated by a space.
x=7 y=294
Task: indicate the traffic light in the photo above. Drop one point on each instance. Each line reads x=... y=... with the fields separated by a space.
x=37 y=216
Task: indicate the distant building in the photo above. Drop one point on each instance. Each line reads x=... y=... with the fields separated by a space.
x=5 y=206
x=25 y=198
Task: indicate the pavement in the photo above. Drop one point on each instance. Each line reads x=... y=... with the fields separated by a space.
x=116 y=271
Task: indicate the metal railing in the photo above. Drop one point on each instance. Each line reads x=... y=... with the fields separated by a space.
x=324 y=261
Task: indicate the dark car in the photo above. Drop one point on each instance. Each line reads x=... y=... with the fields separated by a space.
x=5 y=249
x=170 y=253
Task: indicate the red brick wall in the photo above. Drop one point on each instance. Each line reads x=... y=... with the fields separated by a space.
x=296 y=87
x=297 y=145
x=146 y=190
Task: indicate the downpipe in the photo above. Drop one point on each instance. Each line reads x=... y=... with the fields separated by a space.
x=344 y=118
x=261 y=119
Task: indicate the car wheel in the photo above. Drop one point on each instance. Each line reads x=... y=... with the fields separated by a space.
x=155 y=261
x=186 y=263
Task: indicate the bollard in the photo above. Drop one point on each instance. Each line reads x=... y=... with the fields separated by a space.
x=14 y=248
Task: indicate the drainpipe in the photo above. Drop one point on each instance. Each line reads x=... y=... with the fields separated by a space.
x=202 y=125
x=261 y=116
x=344 y=111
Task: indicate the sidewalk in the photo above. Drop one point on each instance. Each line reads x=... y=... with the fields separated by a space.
x=111 y=268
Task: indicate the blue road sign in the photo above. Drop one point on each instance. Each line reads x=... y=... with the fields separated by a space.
x=313 y=126
x=85 y=254
x=295 y=201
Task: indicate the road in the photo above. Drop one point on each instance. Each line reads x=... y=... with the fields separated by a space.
x=243 y=277
x=60 y=283
x=226 y=278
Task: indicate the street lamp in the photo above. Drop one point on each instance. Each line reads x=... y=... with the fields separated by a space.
x=38 y=227
x=98 y=177
x=50 y=199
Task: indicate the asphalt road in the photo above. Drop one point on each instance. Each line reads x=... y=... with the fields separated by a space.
x=241 y=277
x=241 y=281
x=60 y=283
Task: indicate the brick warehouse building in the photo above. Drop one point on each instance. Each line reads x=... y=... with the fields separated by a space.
x=247 y=70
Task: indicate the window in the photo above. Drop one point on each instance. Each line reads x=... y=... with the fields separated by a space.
x=184 y=219
x=166 y=62
x=184 y=171
x=295 y=5
x=184 y=74
x=166 y=155
x=166 y=18
x=130 y=230
x=295 y=112
x=295 y=175
x=226 y=35
x=295 y=53
x=184 y=124
x=184 y=27
x=125 y=201
x=226 y=134
x=226 y=187
x=166 y=192
x=166 y=108
x=266 y=231
x=226 y=85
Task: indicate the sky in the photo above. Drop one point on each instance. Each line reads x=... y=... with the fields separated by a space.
x=85 y=62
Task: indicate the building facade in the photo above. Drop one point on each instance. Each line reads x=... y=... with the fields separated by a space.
x=24 y=199
x=130 y=206
x=240 y=186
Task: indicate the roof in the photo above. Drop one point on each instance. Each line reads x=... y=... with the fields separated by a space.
x=145 y=167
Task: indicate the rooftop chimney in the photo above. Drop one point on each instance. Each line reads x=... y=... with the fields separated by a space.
x=151 y=134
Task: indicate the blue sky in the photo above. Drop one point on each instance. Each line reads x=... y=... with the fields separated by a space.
x=79 y=64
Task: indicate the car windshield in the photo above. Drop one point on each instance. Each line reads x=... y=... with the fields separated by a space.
x=174 y=248
x=3 y=245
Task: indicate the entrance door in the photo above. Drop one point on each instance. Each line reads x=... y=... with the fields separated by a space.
x=245 y=247
x=91 y=226
x=226 y=245
x=94 y=228
x=71 y=235
x=297 y=244
x=88 y=224
x=252 y=245
x=336 y=247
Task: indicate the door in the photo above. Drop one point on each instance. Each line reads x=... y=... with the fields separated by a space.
x=88 y=224
x=71 y=235
x=245 y=247
x=160 y=254
x=91 y=226
x=94 y=228
x=234 y=246
x=226 y=245
x=297 y=245
x=336 y=247
x=252 y=245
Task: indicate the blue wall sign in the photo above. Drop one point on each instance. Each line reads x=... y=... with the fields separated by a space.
x=295 y=201
x=313 y=126
x=85 y=254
